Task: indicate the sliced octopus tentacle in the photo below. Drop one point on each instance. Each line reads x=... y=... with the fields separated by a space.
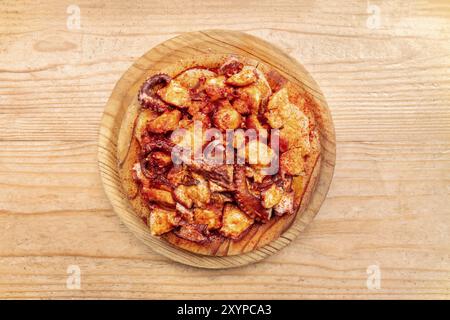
x=220 y=174
x=193 y=232
x=147 y=94
x=246 y=201
x=148 y=166
x=156 y=142
x=231 y=66
x=155 y=175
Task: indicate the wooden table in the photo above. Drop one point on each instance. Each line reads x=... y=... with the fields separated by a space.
x=384 y=68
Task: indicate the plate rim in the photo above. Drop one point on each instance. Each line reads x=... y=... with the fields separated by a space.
x=112 y=185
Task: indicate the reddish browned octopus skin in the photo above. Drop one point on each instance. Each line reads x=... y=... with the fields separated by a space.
x=248 y=203
x=147 y=95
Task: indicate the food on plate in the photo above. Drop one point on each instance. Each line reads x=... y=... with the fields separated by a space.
x=224 y=153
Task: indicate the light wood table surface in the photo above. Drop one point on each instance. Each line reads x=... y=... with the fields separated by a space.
x=384 y=67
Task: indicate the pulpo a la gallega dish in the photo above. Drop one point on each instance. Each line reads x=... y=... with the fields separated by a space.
x=224 y=152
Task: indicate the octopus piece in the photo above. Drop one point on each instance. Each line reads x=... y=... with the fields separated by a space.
x=175 y=94
x=161 y=159
x=241 y=106
x=215 y=187
x=221 y=197
x=275 y=80
x=271 y=196
x=246 y=201
x=154 y=174
x=286 y=204
x=231 y=66
x=187 y=215
x=168 y=121
x=210 y=216
x=268 y=180
x=243 y=78
x=158 y=195
x=198 y=93
x=220 y=174
x=193 y=232
x=162 y=220
x=180 y=175
x=286 y=183
x=234 y=222
x=181 y=195
x=147 y=94
x=138 y=175
x=227 y=118
x=291 y=162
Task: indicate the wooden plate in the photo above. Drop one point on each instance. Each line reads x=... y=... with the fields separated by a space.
x=184 y=47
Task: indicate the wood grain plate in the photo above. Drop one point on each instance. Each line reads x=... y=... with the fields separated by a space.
x=185 y=47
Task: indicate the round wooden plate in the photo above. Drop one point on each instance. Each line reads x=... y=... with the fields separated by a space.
x=186 y=46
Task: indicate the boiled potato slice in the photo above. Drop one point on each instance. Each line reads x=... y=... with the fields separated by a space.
x=211 y=216
x=168 y=121
x=190 y=78
x=292 y=162
x=234 y=221
x=286 y=204
x=181 y=195
x=294 y=135
x=251 y=95
x=243 y=78
x=227 y=118
x=215 y=88
x=271 y=196
x=199 y=193
x=162 y=221
x=144 y=118
x=279 y=99
x=259 y=153
x=158 y=195
x=175 y=94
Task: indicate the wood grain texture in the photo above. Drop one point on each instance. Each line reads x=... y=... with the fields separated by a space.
x=388 y=205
